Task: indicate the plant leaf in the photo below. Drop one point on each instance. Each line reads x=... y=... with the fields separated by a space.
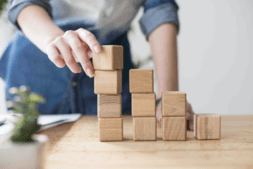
x=18 y=108
x=36 y=98
x=34 y=113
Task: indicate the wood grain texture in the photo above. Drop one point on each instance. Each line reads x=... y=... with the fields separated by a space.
x=110 y=129
x=174 y=128
x=108 y=82
x=110 y=58
x=141 y=81
x=207 y=126
x=213 y=127
x=76 y=145
x=201 y=127
x=173 y=103
x=195 y=121
x=144 y=105
x=109 y=105
x=144 y=128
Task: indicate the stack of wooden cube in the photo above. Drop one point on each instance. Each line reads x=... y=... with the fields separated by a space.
x=108 y=86
x=207 y=126
x=143 y=104
x=174 y=111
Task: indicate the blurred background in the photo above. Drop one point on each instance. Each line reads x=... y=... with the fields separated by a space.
x=214 y=50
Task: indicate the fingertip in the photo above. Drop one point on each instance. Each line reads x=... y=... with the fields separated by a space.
x=75 y=69
x=60 y=64
x=80 y=70
x=97 y=48
x=90 y=72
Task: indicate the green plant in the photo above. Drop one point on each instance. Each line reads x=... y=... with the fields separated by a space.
x=2 y=4
x=24 y=102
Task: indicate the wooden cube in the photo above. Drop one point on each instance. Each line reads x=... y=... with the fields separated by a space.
x=110 y=58
x=141 y=81
x=207 y=126
x=173 y=103
x=110 y=129
x=108 y=82
x=174 y=128
x=144 y=105
x=144 y=128
x=109 y=105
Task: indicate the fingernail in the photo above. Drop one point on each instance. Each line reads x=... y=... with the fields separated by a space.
x=90 y=73
x=97 y=49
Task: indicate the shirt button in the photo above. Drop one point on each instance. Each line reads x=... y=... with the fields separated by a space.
x=74 y=83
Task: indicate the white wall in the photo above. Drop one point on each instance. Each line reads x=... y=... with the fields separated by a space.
x=215 y=55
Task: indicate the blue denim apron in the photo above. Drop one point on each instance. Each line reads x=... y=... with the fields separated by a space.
x=23 y=63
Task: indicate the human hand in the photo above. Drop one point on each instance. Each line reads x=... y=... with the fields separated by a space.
x=159 y=112
x=189 y=116
x=72 y=47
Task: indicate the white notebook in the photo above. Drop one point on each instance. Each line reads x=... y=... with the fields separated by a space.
x=48 y=121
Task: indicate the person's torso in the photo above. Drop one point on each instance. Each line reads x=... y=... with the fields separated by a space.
x=107 y=15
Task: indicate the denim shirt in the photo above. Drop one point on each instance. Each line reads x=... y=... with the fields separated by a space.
x=22 y=63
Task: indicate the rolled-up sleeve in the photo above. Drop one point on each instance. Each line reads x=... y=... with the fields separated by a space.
x=157 y=12
x=15 y=7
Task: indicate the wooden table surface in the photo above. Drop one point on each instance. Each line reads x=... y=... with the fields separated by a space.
x=75 y=145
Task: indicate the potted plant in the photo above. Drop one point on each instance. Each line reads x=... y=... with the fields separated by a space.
x=24 y=149
x=2 y=4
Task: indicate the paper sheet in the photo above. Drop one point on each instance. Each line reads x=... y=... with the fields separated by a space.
x=48 y=121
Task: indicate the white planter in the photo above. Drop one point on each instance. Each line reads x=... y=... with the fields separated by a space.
x=24 y=155
x=5 y=132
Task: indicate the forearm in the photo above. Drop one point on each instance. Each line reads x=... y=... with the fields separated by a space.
x=38 y=27
x=163 y=42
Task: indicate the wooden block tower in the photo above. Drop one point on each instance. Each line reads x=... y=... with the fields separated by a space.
x=108 y=86
x=143 y=104
x=207 y=126
x=173 y=112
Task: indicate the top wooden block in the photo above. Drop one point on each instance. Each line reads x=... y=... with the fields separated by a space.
x=110 y=58
x=141 y=81
x=173 y=103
